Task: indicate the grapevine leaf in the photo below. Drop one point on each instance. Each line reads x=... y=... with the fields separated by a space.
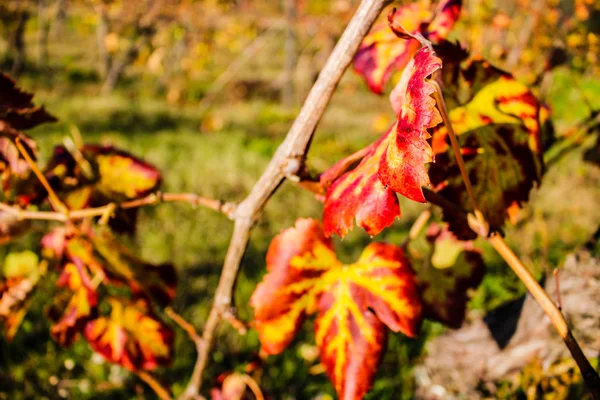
x=101 y=253
x=114 y=174
x=22 y=272
x=446 y=15
x=80 y=308
x=281 y=300
x=16 y=107
x=354 y=302
x=102 y=175
x=499 y=132
x=382 y=52
x=454 y=268
x=358 y=194
x=402 y=167
x=131 y=336
x=123 y=175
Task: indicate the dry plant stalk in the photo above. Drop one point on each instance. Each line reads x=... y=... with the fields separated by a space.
x=287 y=161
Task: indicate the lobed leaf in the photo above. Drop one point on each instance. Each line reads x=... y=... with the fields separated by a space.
x=359 y=194
x=123 y=175
x=281 y=300
x=354 y=302
x=402 y=167
x=131 y=336
x=114 y=175
x=382 y=52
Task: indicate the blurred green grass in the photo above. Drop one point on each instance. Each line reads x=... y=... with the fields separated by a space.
x=224 y=163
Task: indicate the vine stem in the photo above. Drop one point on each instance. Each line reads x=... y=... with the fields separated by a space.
x=481 y=227
x=56 y=203
x=161 y=392
x=441 y=103
x=417 y=227
x=107 y=210
x=590 y=376
x=286 y=162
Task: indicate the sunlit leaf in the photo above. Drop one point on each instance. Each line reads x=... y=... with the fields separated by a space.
x=131 y=336
x=114 y=174
x=444 y=280
x=395 y=163
x=354 y=302
x=101 y=175
x=123 y=175
x=21 y=274
x=358 y=194
x=402 y=167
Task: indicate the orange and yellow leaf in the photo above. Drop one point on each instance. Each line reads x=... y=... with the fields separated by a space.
x=354 y=302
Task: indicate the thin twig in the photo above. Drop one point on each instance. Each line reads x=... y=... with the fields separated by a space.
x=108 y=209
x=161 y=392
x=590 y=375
x=417 y=227
x=251 y=383
x=441 y=103
x=556 y=280
x=479 y=220
x=183 y=324
x=54 y=200
x=235 y=323
x=294 y=146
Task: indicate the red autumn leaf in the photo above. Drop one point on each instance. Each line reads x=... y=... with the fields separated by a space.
x=382 y=52
x=131 y=336
x=446 y=15
x=358 y=194
x=453 y=268
x=354 y=302
x=402 y=167
x=101 y=253
x=80 y=308
x=21 y=274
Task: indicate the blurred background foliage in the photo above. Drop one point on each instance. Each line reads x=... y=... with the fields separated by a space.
x=206 y=90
